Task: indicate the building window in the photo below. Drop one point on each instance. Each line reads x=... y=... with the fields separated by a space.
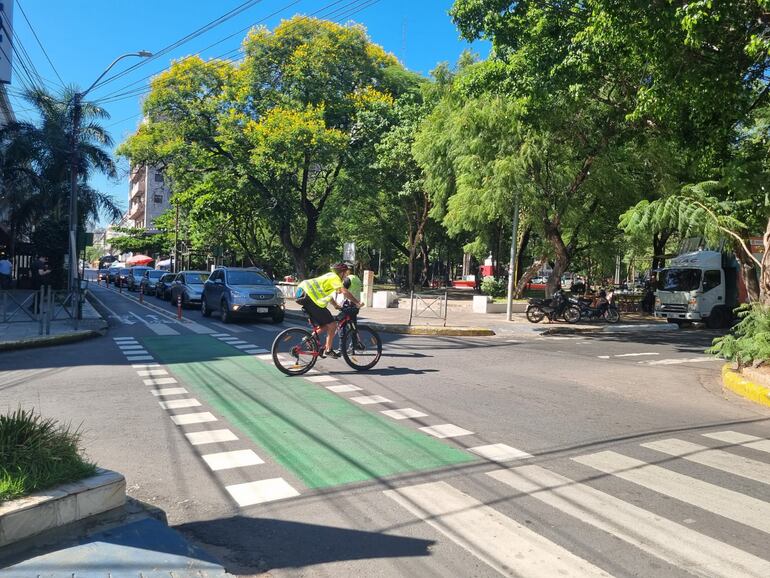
x=158 y=199
x=158 y=177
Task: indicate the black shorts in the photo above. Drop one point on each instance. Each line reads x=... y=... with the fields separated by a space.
x=319 y=315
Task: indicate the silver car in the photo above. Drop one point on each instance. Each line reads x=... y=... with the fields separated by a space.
x=241 y=292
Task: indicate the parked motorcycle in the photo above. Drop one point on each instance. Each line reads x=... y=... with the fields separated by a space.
x=558 y=307
x=607 y=311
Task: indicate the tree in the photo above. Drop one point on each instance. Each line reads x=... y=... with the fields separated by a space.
x=269 y=139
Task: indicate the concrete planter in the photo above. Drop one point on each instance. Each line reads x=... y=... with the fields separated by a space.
x=484 y=304
x=61 y=505
x=383 y=299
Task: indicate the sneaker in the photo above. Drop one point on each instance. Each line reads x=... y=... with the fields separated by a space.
x=331 y=353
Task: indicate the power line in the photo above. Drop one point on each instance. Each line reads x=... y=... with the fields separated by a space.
x=202 y=30
x=40 y=44
x=345 y=11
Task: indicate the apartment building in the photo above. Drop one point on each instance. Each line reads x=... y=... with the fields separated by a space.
x=6 y=116
x=148 y=197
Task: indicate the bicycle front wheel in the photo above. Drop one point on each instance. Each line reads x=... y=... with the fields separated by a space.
x=361 y=348
x=295 y=351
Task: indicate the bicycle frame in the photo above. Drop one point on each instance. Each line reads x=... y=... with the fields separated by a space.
x=345 y=321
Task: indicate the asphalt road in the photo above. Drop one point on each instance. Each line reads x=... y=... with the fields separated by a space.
x=614 y=454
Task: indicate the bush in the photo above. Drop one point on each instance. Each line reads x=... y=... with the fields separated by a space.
x=37 y=453
x=749 y=341
x=493 y=287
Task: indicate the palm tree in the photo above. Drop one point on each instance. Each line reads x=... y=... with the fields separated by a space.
x=35 y=164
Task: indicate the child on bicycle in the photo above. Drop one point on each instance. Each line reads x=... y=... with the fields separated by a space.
x=314 y=295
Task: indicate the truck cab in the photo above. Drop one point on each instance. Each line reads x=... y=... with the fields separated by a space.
x=698 y=286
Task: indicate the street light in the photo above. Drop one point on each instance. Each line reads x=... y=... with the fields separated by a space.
x=77 y=99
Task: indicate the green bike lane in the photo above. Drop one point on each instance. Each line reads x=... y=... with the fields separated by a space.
x=324 y=439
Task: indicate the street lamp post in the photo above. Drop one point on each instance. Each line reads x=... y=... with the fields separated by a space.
x=77 y=100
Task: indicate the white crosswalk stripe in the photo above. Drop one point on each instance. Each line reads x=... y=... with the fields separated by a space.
x=717 y=459
x=699 y=554
x=504 y=542
x=715 y=499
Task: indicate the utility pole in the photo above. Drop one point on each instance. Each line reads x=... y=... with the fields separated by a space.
x=512 y=264
x=74 y=285
x=176 y=240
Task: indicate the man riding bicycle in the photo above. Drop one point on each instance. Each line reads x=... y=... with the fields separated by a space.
x=314 y=295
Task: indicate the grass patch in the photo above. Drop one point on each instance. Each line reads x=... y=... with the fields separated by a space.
x=37 y=453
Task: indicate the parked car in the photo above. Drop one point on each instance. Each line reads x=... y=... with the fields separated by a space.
x=113 y=270
x=121 y=277
x=150 y=280
x=188 y=285
x=135 y=277
x=241 y=292
x=163 y=286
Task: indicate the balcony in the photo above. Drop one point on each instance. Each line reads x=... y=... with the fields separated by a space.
x=136 y=212
x=137 y=190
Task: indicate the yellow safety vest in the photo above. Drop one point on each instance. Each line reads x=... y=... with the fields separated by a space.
x=322 y=289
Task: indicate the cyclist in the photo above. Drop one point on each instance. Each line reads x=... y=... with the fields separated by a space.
x=314 y=295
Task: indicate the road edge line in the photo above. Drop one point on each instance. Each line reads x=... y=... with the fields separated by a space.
x=735 y=382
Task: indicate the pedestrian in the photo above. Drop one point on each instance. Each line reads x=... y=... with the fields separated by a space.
x=41 y=273
x=6 y=269
x=478 y=279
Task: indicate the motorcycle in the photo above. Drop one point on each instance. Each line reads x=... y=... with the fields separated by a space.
x=607 y=311
x=558 y=307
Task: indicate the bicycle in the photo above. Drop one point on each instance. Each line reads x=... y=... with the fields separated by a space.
x=295 y=350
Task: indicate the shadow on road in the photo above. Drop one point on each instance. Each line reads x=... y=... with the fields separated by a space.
x=258 y=545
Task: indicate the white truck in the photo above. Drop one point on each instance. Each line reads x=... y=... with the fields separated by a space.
x=703 y=286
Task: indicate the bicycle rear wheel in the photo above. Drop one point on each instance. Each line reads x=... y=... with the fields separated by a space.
x=361 y=348
x=295 y=351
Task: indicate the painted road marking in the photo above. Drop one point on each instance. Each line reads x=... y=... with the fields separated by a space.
x=500 y=453
x=244 y=346
x=191 y=418
x=127 y=346
x=179 y=403
x=370 y=399
x=124 y=338
x=148 y=372
x=253 y=351
x=159 y=381
x=197 y=327
x=157 y=328
x=145 y=365
x=321 y=378
x=219 y=334
x=168 y=391
x=406 y=413
x=342 y=388
x=136 y=352
x=745 y=440
x=210 y=437
x=664 y=539
x=235 y=342
x=342 y=444
x=266 y=357
x=140 y=358
x=717 y=459
x=445 y=430
x=603 y=356
x=681 y=361
x=230 y=328
x=501 y=542
x=721 y=501
x=229 y=460
x=262 y=491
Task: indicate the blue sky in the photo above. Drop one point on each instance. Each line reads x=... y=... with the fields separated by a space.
x=83 y=36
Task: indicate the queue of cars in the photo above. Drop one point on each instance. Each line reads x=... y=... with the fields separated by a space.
x=229 y=291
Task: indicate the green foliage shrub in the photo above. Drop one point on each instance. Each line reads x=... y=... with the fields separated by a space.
x=749 y=340
x=36 y=453
x=493 y=287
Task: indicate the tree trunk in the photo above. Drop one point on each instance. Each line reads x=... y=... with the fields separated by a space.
x=659 y=241
x=764 y=274
x=561 y=259
x=527 y=275
x=520 y=253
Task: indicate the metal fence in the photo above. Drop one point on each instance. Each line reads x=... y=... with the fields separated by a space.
x=428 y=304
x=42 y=307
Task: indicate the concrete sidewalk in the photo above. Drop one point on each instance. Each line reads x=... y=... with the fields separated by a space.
x=22 y=332
x=461 y=320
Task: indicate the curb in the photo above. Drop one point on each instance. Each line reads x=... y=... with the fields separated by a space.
x=415 y=329
x=626 y=328
x=61 y=505
x=736 y=383
x=46 y=340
